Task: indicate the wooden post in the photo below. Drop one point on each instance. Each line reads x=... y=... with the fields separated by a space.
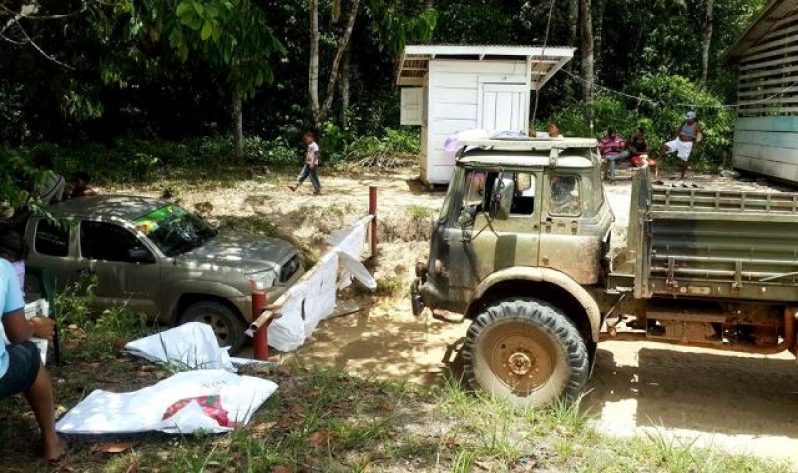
x=260 y=339
x=373 y=213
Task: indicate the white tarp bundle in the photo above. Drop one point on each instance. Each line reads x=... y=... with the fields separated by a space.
x=213 y=401
x=189 y=346
x=349 y=243
x=312 y=299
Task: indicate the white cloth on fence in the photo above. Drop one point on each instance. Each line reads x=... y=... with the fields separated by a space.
x=320 y=293
x=287 y=332
x=349 y=243
x=212 y=401
x=189 y=346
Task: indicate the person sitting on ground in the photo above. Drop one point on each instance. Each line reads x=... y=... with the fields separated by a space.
x=612 y=148
x=21 y=369
x=80 y=185
x=687 y=135
x=312 y=158
x=51 y=190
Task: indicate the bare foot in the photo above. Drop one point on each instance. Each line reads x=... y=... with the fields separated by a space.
x=293 y=188
x=54 y=449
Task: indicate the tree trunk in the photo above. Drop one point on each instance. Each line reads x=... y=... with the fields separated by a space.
x=598 y=34
x=313 y=67
x=573 y=30
x=586 y=23
x=343 y=44
x=707 y=42
x=238 y=128
x=345 y=72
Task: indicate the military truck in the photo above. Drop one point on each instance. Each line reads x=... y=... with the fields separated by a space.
x=523 y=248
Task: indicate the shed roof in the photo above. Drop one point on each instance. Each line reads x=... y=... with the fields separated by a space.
x=544 y=61
x=773 y=16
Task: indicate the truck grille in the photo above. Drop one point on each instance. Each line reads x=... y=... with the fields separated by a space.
x=289 y=269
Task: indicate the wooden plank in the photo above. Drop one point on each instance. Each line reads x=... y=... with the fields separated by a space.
x=771 y=91
x=767 y=124
x=783 y=36
x=746 y=76
x=774 y=62
x=772 y=153
x=782 y=171
x=770 y=138
x=782 y=81
x=460 y=95
x=784 y=51
x=771 y=100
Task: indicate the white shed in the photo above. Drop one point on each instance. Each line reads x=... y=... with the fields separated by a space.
x=447 y=89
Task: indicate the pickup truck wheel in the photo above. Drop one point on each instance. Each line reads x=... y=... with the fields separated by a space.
x=225 y=322
x=526 y=352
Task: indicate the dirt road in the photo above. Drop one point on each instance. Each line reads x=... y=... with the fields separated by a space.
x=741 y=402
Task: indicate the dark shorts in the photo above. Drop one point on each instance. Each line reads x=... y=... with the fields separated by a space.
x=24 y=362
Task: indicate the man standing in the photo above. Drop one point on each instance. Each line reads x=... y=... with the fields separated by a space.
x=688 y=133
x=312 y=155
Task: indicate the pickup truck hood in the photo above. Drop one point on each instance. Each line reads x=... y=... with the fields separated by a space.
x=241 y=252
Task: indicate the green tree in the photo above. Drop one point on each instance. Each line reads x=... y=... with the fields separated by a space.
x=232 y=36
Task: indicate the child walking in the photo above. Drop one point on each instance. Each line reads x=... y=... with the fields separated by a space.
x=311 y=164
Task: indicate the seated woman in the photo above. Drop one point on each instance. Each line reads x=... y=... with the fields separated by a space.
x=21 y=370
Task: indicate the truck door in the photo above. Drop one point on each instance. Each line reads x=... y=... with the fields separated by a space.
x=127 y=271
x=561 y=245
x=506 y=235
x=52 y=249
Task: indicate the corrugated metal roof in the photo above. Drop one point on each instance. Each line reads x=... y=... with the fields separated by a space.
x=773 y=13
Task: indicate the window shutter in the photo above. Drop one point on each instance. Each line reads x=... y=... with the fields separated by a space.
x=412 y=106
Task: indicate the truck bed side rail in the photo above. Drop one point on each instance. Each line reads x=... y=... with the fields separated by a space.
x=719 y=243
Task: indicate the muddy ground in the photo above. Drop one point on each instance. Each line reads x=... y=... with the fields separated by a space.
x=746 y=403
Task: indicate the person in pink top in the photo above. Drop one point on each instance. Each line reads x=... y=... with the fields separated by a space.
x=612 y=148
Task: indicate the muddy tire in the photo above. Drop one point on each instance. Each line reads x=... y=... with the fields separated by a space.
x=526 y=352
x=225 y=322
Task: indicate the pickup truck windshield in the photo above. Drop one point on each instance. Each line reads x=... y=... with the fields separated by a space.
x=174 y=230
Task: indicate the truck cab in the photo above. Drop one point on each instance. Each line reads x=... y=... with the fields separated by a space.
x=524 y=218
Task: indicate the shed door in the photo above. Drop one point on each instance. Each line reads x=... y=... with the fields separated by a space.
x=502 y=107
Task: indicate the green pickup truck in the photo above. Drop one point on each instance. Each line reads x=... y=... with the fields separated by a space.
x=161 y=261
x=523 y=248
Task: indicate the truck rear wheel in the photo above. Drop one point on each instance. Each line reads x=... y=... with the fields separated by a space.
x=526 y=352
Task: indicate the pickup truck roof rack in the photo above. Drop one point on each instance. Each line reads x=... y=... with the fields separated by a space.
x=523 y=144
x=553 y=146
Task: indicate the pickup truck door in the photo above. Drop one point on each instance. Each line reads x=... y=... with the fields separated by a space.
x=53 y=248
x=126 y=268
x=510 y=237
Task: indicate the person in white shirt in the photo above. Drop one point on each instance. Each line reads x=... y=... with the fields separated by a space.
x=312 y=158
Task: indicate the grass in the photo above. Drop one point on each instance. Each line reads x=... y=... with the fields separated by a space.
x=324 y=420
x=390 y=286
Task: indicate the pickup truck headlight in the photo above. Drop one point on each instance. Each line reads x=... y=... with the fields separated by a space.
x=263 y=280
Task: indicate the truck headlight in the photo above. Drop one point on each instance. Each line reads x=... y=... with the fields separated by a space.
x=262 y=280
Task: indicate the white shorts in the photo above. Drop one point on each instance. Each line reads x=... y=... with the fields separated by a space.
x=681 y=148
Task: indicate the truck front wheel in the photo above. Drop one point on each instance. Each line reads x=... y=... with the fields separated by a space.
x=526 y=352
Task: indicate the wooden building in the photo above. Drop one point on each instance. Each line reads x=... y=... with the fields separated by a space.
x=766 y=130
x=449 y=88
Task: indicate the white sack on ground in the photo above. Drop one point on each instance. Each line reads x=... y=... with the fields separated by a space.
x=354 y=268
x=212 y=401
x=192 y=345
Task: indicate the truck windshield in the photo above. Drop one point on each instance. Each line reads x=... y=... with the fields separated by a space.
x=454 y=187
x=174 y=230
